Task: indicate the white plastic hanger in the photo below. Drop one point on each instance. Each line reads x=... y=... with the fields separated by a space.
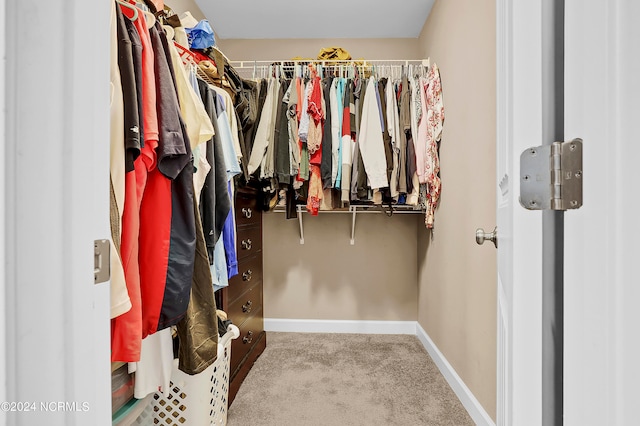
x=129 y=6
x=150 y=18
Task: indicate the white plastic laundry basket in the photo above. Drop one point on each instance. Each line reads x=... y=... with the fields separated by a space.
x=200 y=399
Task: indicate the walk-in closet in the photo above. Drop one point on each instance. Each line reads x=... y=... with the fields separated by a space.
x=282 y=195
x=295 y=213
x=293 y=210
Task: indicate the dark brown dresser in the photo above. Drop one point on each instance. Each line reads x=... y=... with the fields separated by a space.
x=242 y=299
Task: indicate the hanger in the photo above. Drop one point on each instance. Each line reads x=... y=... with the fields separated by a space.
x=170 y=32
x=149 y=18
x=130 y=7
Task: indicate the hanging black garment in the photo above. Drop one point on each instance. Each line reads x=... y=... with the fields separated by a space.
x=215 y=203
x=388 y=149
x=405 y=126
x=179 y=168
x=404 y=182
x=130 y=93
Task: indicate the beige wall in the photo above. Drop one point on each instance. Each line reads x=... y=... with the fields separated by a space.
x=327 y=278
x=181 y=6
x=264 y=50
x=457 y=278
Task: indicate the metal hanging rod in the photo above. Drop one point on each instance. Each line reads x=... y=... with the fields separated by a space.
x=353 y=210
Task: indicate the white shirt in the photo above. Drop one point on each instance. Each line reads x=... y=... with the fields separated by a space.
x=262 y=139
x=371 y=141
x=153 y=371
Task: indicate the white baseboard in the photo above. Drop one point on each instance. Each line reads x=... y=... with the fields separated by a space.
x=339 y=326
x=468 y=400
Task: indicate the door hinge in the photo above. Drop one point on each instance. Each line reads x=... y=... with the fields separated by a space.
x=551 y=176
x=101 y=261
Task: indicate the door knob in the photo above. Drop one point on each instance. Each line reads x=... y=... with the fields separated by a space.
x=482 y=236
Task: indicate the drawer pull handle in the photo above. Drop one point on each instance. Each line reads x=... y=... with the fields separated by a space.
x=246 y=276
x=247 y=213
x=246 y=308
x=246 y=244
x=248 y=338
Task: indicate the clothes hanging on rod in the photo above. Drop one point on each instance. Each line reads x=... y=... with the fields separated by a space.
x=177 y=150
x=324 y=134
x=375 y=139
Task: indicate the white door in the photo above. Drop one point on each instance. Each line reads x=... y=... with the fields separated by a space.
x=3 y=359
x=602 y=283
x=56 y=165
x=519 y=103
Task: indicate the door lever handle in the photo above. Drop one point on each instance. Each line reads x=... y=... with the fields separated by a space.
x=482 y=236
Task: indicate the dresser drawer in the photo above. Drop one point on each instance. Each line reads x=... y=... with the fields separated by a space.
x=246 y=305
x=249 y=241
x=250 y=332
x=249 y=273
x=247 y=212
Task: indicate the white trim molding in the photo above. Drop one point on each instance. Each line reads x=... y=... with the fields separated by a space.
x=339 y=326
x=468 y=400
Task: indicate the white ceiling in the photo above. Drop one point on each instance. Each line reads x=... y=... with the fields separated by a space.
x=270 y=19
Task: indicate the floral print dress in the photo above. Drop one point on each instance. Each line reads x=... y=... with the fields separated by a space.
x=433 y=114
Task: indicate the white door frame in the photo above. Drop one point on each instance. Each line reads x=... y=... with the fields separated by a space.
x=3 y=318
x=602 y=282
x=602 y=285
x=55 y=161
x=519 y=126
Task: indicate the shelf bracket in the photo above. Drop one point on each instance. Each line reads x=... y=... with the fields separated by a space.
x=300 y=214
x=352 y=209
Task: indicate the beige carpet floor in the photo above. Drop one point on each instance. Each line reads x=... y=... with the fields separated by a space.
x=347 y=380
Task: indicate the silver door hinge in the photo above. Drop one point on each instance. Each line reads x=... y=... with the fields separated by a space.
x=551 y=176
x=101 y=261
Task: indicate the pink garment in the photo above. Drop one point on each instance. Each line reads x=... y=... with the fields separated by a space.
x=435 y=122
